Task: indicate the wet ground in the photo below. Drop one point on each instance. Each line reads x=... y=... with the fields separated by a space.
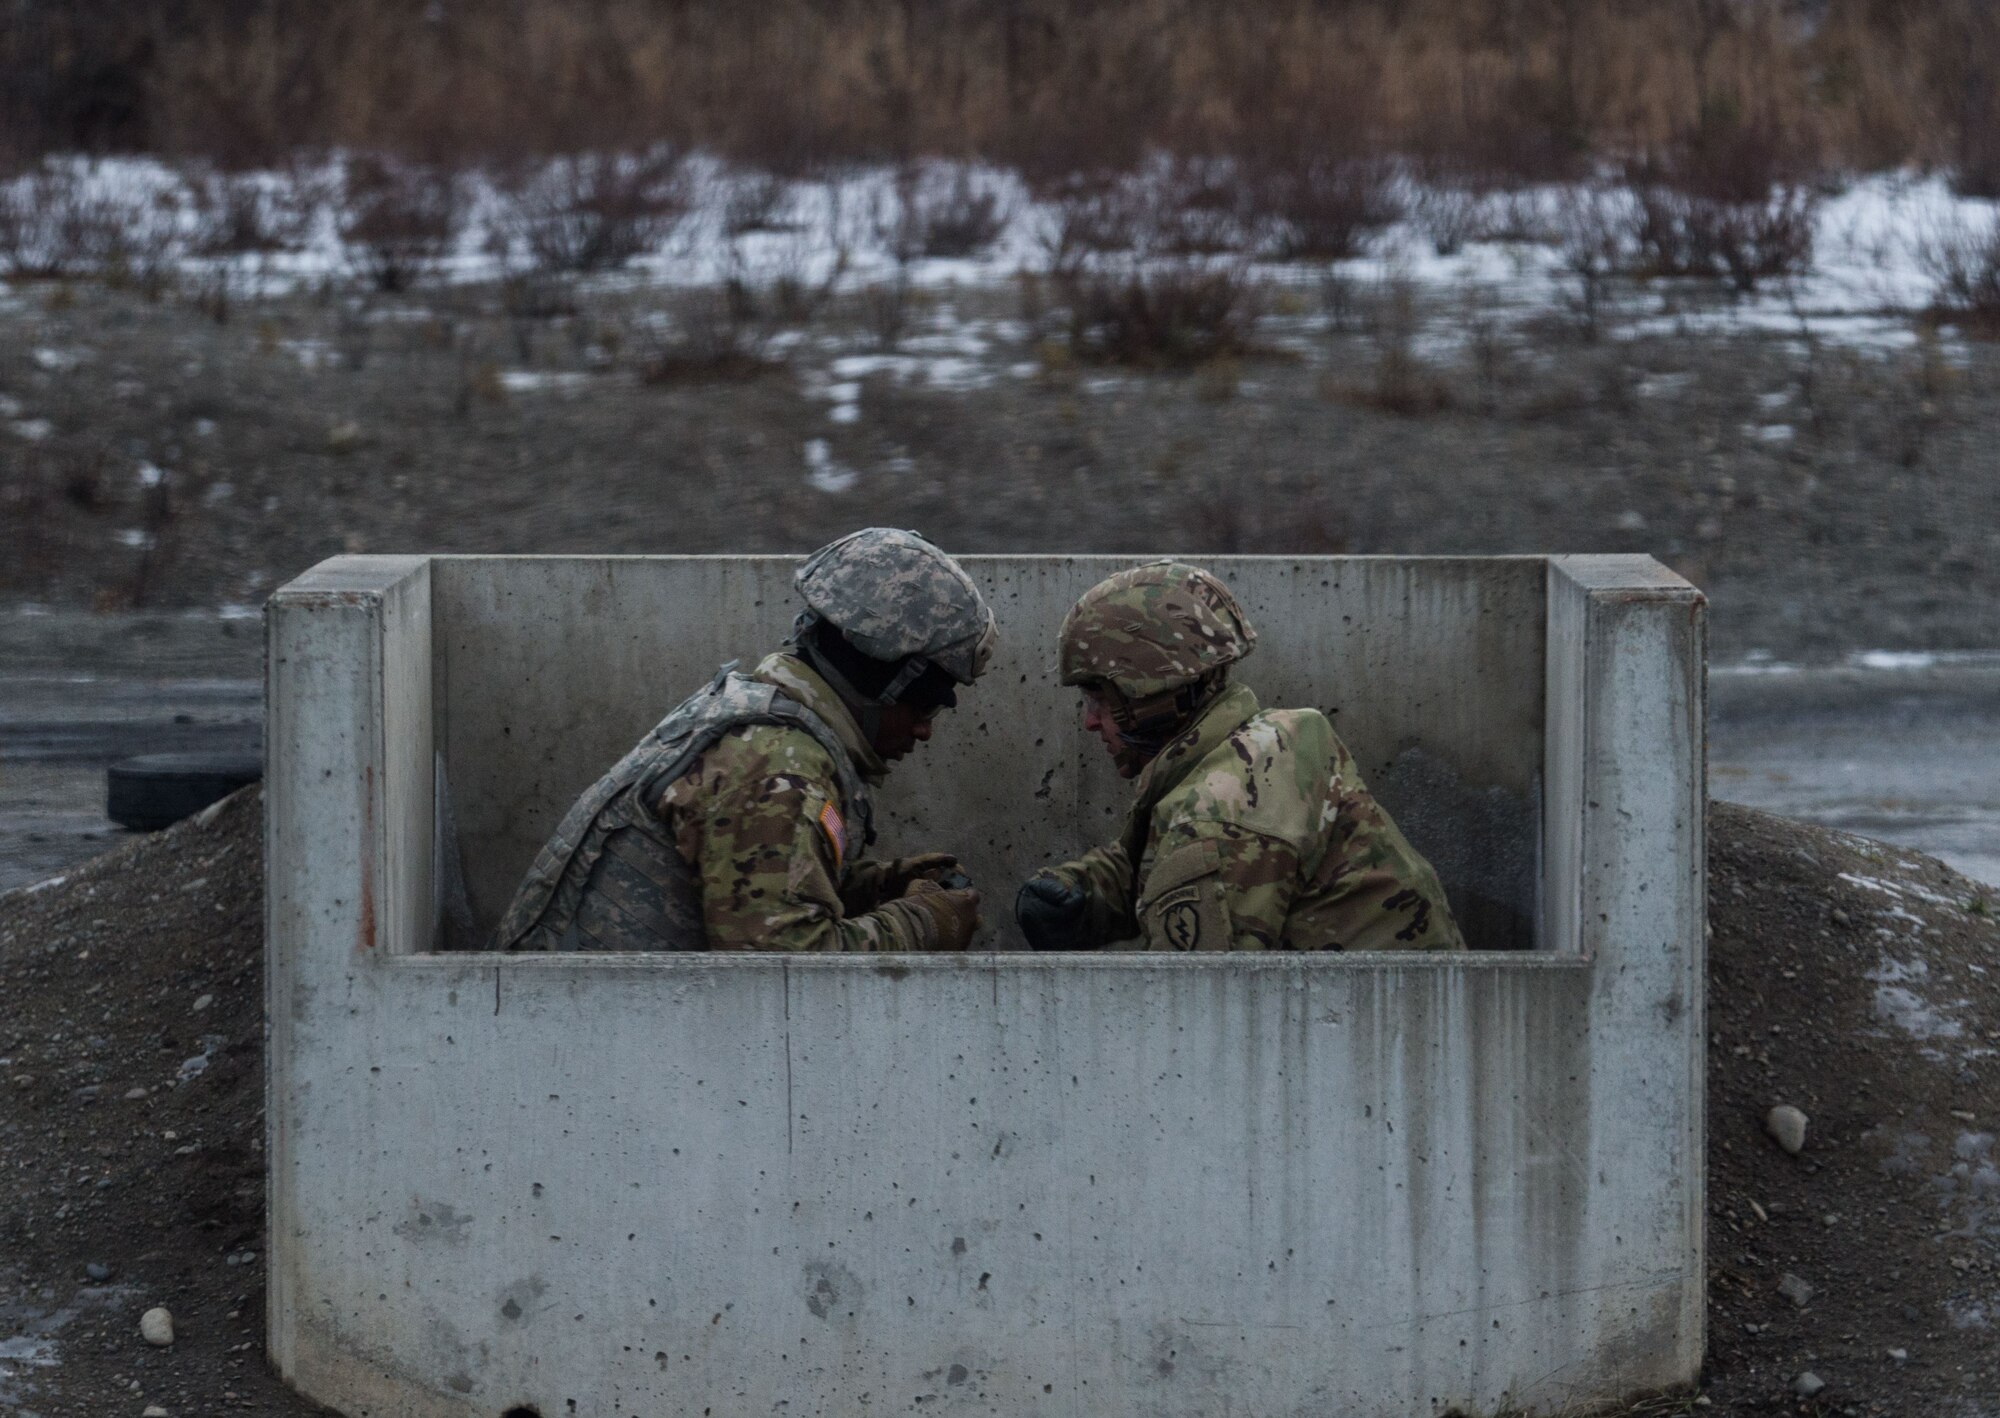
x=1906 y=749
x=1903 y=747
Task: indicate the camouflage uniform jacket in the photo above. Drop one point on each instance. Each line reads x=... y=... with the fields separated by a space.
x=732 y=826
x=1253 y=831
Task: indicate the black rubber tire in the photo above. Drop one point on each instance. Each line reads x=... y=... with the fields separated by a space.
x=157 y=790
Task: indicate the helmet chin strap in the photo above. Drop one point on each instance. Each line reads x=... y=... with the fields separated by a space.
x=1147 y=726
x=866 y=708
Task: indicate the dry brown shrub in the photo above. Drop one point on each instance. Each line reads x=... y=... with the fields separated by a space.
x=940 y=213
x=240 y=213
x=594 y=211
x=1727 y=203
x=53 y=226
x=712 y=338
x=1169 y=313
x=399 y=219
x=1962 y=260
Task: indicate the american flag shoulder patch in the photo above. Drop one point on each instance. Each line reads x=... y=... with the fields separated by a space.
x=836 y=831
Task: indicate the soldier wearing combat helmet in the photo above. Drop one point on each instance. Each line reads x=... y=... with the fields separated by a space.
x=1251 y=829
x=740 y=821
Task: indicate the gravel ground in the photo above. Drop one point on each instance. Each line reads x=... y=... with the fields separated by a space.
x=1829 y=499
x=1848 y=979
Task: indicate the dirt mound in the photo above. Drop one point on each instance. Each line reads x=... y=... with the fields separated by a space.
x=1855 y=981
x=131 y=1127
x=1860 y=983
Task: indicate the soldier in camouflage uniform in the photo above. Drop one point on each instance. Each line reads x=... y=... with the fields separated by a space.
x=1252 y=829
x=740 y=821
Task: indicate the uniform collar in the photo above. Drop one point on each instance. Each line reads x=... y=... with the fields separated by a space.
x=1231 y=711
x=801 y=682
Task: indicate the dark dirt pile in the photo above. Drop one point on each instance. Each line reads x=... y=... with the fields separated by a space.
x=131 y=1127
x=1860 y=983
x=1855 y=981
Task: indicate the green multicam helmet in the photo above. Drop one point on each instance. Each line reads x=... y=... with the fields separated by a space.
x=895 y=596
x=1152 y=629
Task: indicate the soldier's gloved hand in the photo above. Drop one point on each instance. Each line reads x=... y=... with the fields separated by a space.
x=900 y=875
x=1051 y=914
x=954 y=915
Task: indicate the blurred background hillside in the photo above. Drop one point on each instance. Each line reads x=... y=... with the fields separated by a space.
x=1522 y=88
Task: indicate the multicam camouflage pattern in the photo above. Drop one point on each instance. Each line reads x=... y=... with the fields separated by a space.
x=1152 y=629
x=1252 y=830
x=733 y=826
x=893 y=594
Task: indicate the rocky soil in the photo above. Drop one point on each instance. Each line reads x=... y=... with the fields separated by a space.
x=1854 y=982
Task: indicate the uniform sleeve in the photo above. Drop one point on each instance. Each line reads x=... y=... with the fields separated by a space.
x=1217 y=886
x=1104 y=875
x=768 y=850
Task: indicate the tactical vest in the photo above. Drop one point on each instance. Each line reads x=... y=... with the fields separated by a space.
x=611 y=877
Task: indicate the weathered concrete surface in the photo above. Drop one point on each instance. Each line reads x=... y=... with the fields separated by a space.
x=548 y=669
x=1061 y=1184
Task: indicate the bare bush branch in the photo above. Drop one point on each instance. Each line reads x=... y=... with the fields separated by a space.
x=1325 y=206
x=241 y=213
x=756 y=202
x=1163 y=312
x=936 y=217
x=1591 y=227
x=400 y=219
x=55 y=224
x=885 y=306
x=1743 y=242
x=1962 y=260
x=710 y=338
x=591 y=212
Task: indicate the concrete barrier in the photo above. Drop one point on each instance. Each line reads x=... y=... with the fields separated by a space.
x=1114 y=1184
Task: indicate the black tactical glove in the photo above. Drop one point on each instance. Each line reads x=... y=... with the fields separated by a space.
x=1051 y=915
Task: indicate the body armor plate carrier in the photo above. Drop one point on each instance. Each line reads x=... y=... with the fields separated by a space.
x=611 y=878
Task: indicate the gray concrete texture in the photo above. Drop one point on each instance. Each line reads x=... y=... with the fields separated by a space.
x=1111 y=1184
x=548 y=669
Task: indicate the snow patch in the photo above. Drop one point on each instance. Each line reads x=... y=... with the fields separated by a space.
x=823 y=472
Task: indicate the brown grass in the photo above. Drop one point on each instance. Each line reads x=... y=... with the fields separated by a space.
x=1055 y=86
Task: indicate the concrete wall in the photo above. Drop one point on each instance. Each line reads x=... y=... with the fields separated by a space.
x=549 y=668
x=1066 y=1184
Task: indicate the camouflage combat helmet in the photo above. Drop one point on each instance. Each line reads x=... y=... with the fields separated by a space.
x=1153 y=629
x=896 y=597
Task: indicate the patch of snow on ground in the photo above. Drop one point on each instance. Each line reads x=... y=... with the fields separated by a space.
x=1914 y=1015
x=36 y=887
x=530 y=381
x=1898 y=889
x=823 y=472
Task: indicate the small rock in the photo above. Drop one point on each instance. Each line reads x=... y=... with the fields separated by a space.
x=1830 y=1220
x=1798 y=1291
x=1787 y=1125
x=98 y=1272
x=156 y=1327
x=1808 y=1384
x=134 y=1094
x=153 y=1410
x=1899 y=1356
x=1841 y=918
x=343 y=436
x=203 y=1003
